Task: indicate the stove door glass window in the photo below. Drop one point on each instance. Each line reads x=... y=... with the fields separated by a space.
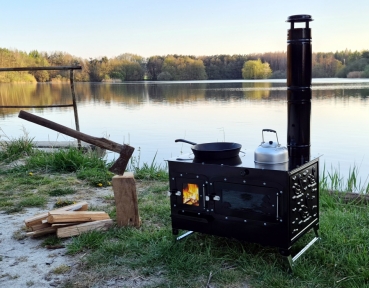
x=246 y=201
x=191 y=194
x=243 y=201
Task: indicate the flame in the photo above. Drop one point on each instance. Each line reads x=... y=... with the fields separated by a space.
x=191 y=194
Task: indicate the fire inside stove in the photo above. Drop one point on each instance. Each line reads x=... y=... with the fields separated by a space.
x=190 y=194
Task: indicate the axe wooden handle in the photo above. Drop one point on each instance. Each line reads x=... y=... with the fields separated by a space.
x=100 y=142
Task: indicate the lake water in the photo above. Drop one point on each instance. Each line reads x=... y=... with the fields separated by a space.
x=151 y=115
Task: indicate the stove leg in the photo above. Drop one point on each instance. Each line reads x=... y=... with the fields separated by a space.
x=316 y=233
x=184 y=235
x=287 y=253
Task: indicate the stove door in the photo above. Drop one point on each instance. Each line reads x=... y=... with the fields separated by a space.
x=189 y=194
x=247 y=202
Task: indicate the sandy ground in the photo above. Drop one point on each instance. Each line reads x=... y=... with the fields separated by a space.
x=24 y=262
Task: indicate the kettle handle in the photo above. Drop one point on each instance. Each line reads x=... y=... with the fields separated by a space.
x=269 y=130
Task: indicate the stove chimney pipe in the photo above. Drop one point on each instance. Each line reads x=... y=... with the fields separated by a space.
x=299 y=65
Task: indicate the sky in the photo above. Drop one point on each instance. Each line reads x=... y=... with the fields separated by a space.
x=93 y=29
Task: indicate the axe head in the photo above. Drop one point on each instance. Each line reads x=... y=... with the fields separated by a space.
x=121 y=163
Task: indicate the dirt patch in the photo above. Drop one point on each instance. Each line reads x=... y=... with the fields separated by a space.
x=24 y=262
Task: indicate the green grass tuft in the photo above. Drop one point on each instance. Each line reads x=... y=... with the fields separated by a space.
x=33 y=201
x=14 y=149
x=99 y=176
x=62 y=191
x=51 y=241
x=148 y=172
x=333 y=180
x=64 y=160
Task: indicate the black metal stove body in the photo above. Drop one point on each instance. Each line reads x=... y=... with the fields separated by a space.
x=269 y=207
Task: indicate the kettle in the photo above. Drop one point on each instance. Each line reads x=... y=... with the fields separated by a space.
x=271 y=153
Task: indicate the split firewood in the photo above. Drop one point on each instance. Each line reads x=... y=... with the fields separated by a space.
x=74 y=230
x=59 y=225
x=37 y=219
x=40 y=226
x=41 y=232
x=75 y=216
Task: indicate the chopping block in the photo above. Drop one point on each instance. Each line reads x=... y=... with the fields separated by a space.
x=124 y=187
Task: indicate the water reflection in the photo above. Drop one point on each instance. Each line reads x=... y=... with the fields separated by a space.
x=32 y=95
x=134 y=95
x=130 y=95
x=152 y=114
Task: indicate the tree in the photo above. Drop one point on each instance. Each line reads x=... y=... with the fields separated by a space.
x=154 y=66
x=366 y=72
x=223 y=66
x=15 y=58
x=58 y=58
x=255 y=69
x=365 y=54
x=127 y=67
x=39 y=60
x=183 y=68
x=98 y=69
x=325 y=65
x=357 y=65
x=164 y=76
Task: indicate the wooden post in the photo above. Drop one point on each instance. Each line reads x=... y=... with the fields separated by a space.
x=76 y=120
x=124 y=187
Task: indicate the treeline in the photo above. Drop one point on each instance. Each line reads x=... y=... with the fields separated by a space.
x=131 y=67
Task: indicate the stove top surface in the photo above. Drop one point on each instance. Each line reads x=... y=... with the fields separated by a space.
x=245 y=160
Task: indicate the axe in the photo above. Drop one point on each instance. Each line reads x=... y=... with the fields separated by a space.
x=125 y=151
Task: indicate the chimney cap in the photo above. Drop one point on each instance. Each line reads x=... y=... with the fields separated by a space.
x=299 y=18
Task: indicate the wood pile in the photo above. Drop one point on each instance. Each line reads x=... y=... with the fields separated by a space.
x=68 y=221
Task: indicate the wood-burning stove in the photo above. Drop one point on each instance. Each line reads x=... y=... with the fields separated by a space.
x=269 y=207
x=272 y=205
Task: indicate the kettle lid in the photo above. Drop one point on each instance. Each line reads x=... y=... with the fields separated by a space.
x=269 y=144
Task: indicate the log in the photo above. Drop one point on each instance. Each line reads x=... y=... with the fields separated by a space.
x=84 y=227
x=125 y=196
x=37 y=219
x=59 y=225
x=41 y=232
x=75 y=216
x=40 y=226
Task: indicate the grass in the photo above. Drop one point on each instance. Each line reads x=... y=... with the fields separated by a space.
x=96 y=176
x=51 y=241
x=340 y=259
x=150 y=253
x=148 y=172
x=333 y=180
x=14 y=149
x=62 y=191
x=62 y=269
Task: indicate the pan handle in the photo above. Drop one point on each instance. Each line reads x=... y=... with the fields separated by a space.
x=185 y=141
